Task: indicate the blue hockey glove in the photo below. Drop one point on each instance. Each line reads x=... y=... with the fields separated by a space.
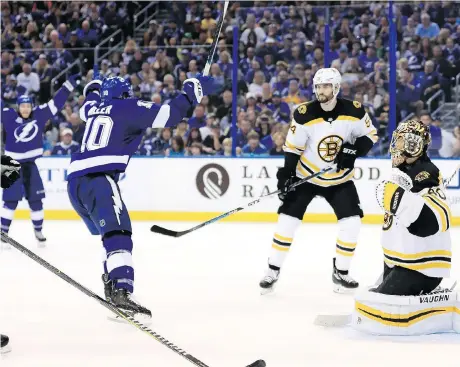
x=75 y=80
x=196 y=88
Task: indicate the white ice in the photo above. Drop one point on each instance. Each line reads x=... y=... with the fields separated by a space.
x=203 y=293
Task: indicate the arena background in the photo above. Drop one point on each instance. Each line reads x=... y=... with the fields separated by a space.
x=398 y=59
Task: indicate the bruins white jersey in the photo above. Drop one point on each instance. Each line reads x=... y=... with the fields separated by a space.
x=417 y=237
x=317 y=136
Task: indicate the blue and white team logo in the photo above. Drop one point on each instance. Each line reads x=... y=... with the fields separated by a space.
x=26 y=132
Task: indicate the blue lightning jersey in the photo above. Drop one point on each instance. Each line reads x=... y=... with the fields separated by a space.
x=24 y=141
x=114 y=131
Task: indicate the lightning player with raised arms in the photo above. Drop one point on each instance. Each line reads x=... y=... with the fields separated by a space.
x=322 y=132
x=24 y=143
x=115 y=124
x=416 y=245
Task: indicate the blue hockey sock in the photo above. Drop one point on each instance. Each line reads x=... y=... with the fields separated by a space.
x=119 y=262
x=37 y=214
x=7 y=214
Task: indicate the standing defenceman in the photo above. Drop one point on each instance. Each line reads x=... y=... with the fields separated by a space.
x=323 y=132
x=9 y=174
x=416 y=245
x=115 y=123
x=24 y=143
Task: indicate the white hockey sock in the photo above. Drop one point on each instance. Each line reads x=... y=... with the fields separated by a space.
x=346 y=241
x=282 y=240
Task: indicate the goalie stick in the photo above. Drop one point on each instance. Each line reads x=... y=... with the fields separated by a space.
x=168 y=232
x=111 y=307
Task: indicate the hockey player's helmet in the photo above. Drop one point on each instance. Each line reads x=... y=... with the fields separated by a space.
x=116 y=88
x=25 y=99
x=410 y=140
x=328 y=76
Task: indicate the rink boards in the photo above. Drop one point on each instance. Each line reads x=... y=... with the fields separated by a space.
x=196 y=189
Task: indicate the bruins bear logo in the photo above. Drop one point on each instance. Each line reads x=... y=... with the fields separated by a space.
x=357 y=104
x=329 y=147
x=387 y=221
x=302 y=109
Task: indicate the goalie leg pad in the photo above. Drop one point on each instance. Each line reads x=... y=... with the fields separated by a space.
x=382 y=314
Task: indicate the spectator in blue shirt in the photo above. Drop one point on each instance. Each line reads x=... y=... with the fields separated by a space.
x=199 y=118
x=66 y=146
x=243 y=132
x=280 y=109
x=431 y=81
x=87 y=35
x=427 y=28
x=368 y=60
x=253 y=147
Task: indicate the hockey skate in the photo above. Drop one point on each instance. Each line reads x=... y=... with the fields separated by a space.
x=267 y=284
x=4 y=344
x=41 y=240
x=342 y=282
x=124 y=301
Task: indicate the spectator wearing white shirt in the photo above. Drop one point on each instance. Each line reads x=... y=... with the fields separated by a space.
x=253 y=35
x=29 y=79
x=365 y=21
x=256 y=86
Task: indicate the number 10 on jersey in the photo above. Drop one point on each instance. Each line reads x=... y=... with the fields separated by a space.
x=97 y=133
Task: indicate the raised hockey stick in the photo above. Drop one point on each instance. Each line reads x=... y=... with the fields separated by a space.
x=212 y=51
x=446 y=181
x=168 y=232
x=111 y=307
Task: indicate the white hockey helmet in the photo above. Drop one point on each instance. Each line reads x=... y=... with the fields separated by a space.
x=328 y=76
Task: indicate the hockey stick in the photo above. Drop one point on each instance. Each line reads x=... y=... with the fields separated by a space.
x=111 y=307
x=207 y=67
x=446 y=181
x=168 y=232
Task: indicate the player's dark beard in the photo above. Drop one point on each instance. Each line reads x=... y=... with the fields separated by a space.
x=323 y=98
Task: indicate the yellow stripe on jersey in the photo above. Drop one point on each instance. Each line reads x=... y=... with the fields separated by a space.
x=294 y=147
x=388 y=192
x=425 y=266
x=350 y=245
x=315 y=121
x=438 y=208
x=417 y=255
x=315 y=169
x=443 y=205
x=347 y=118
x=282 y=238
x=325 y=183
x=401 y=320
x=373 y=136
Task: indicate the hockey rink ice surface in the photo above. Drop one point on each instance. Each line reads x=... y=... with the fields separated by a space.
x=203 y=291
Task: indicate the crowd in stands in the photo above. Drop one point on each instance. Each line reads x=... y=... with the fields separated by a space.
x=281 y=46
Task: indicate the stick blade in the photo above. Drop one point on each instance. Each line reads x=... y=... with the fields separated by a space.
x=164 y=231
x=332 y=320
x=259 y=363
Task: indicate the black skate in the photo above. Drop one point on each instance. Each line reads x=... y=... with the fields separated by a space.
x=5 y=344
x=123 y=300
x=41 y=239
x=343 y=283
x=267 y=284
x=108 y=287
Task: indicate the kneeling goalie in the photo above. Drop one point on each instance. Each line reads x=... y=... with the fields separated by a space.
x=416 y=246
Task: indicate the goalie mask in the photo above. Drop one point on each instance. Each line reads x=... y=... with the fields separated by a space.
x=409 y=140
